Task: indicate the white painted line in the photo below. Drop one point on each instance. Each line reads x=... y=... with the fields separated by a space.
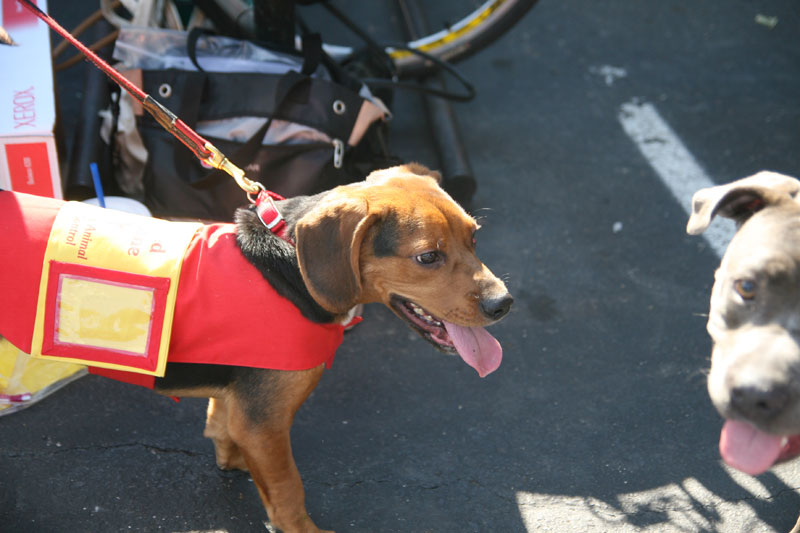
x=673 y=163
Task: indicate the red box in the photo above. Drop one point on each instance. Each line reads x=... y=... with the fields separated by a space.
x=29 y=169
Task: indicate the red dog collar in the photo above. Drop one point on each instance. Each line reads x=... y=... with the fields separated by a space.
x=269 y=215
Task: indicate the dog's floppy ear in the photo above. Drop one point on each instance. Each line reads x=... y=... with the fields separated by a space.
x=740 y=199
x=421 y=170
x=408 y=168
x=328 y=246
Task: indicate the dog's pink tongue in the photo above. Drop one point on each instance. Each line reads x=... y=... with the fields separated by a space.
x=476 y=347
x=747 y=448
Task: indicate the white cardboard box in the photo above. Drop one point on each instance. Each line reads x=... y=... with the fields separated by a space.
x=28 y=158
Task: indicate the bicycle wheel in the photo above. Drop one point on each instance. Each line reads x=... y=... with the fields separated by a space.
x=456 y=40
x=463 y=38
x=478 y=24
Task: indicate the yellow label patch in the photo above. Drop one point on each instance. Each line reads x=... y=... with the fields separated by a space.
x=108 y=289
x=104 y=315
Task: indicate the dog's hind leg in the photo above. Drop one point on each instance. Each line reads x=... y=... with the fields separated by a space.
x=229 y=457
x=796 y=528
x=261 y=429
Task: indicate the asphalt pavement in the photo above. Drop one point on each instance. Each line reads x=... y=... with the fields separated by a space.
x=598 y=418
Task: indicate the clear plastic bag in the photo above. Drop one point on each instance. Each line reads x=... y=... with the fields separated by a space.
x=25 y=380
x=157 y=49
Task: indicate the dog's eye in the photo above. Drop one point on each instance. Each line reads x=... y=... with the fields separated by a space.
x=746 y=288
x=428 y=258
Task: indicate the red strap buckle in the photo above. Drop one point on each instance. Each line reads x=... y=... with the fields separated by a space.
x=269 y=215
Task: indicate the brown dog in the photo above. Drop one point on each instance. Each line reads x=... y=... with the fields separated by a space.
x=396 y=238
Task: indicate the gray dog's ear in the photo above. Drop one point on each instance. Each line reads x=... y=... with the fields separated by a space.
x=740 y=199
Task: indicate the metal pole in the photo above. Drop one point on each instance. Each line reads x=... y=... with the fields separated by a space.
x=88 y=146
x=458 y=177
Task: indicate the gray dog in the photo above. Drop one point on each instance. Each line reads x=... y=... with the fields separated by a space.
x=754 y=319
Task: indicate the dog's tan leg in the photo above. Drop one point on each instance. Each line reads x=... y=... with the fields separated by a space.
x=229 y=456
x=264 y=442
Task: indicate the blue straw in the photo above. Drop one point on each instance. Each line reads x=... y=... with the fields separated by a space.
x=98 y=187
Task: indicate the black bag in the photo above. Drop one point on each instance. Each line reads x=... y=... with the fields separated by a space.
x=177 y=184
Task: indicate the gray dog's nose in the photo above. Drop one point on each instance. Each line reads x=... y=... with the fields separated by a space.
x=497 y=308
x=758 y=404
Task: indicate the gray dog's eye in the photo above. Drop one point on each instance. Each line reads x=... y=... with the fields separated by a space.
x=746 y=288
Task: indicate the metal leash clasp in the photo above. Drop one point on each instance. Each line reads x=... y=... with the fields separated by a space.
x=218 y=160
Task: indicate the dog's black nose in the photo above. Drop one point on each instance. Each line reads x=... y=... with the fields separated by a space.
x=496 y=308
x=759 y=404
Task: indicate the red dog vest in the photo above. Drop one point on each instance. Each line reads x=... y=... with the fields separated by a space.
x=226 y=313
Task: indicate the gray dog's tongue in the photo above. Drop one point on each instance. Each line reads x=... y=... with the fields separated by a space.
x=748 y=449
x=476 y=347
